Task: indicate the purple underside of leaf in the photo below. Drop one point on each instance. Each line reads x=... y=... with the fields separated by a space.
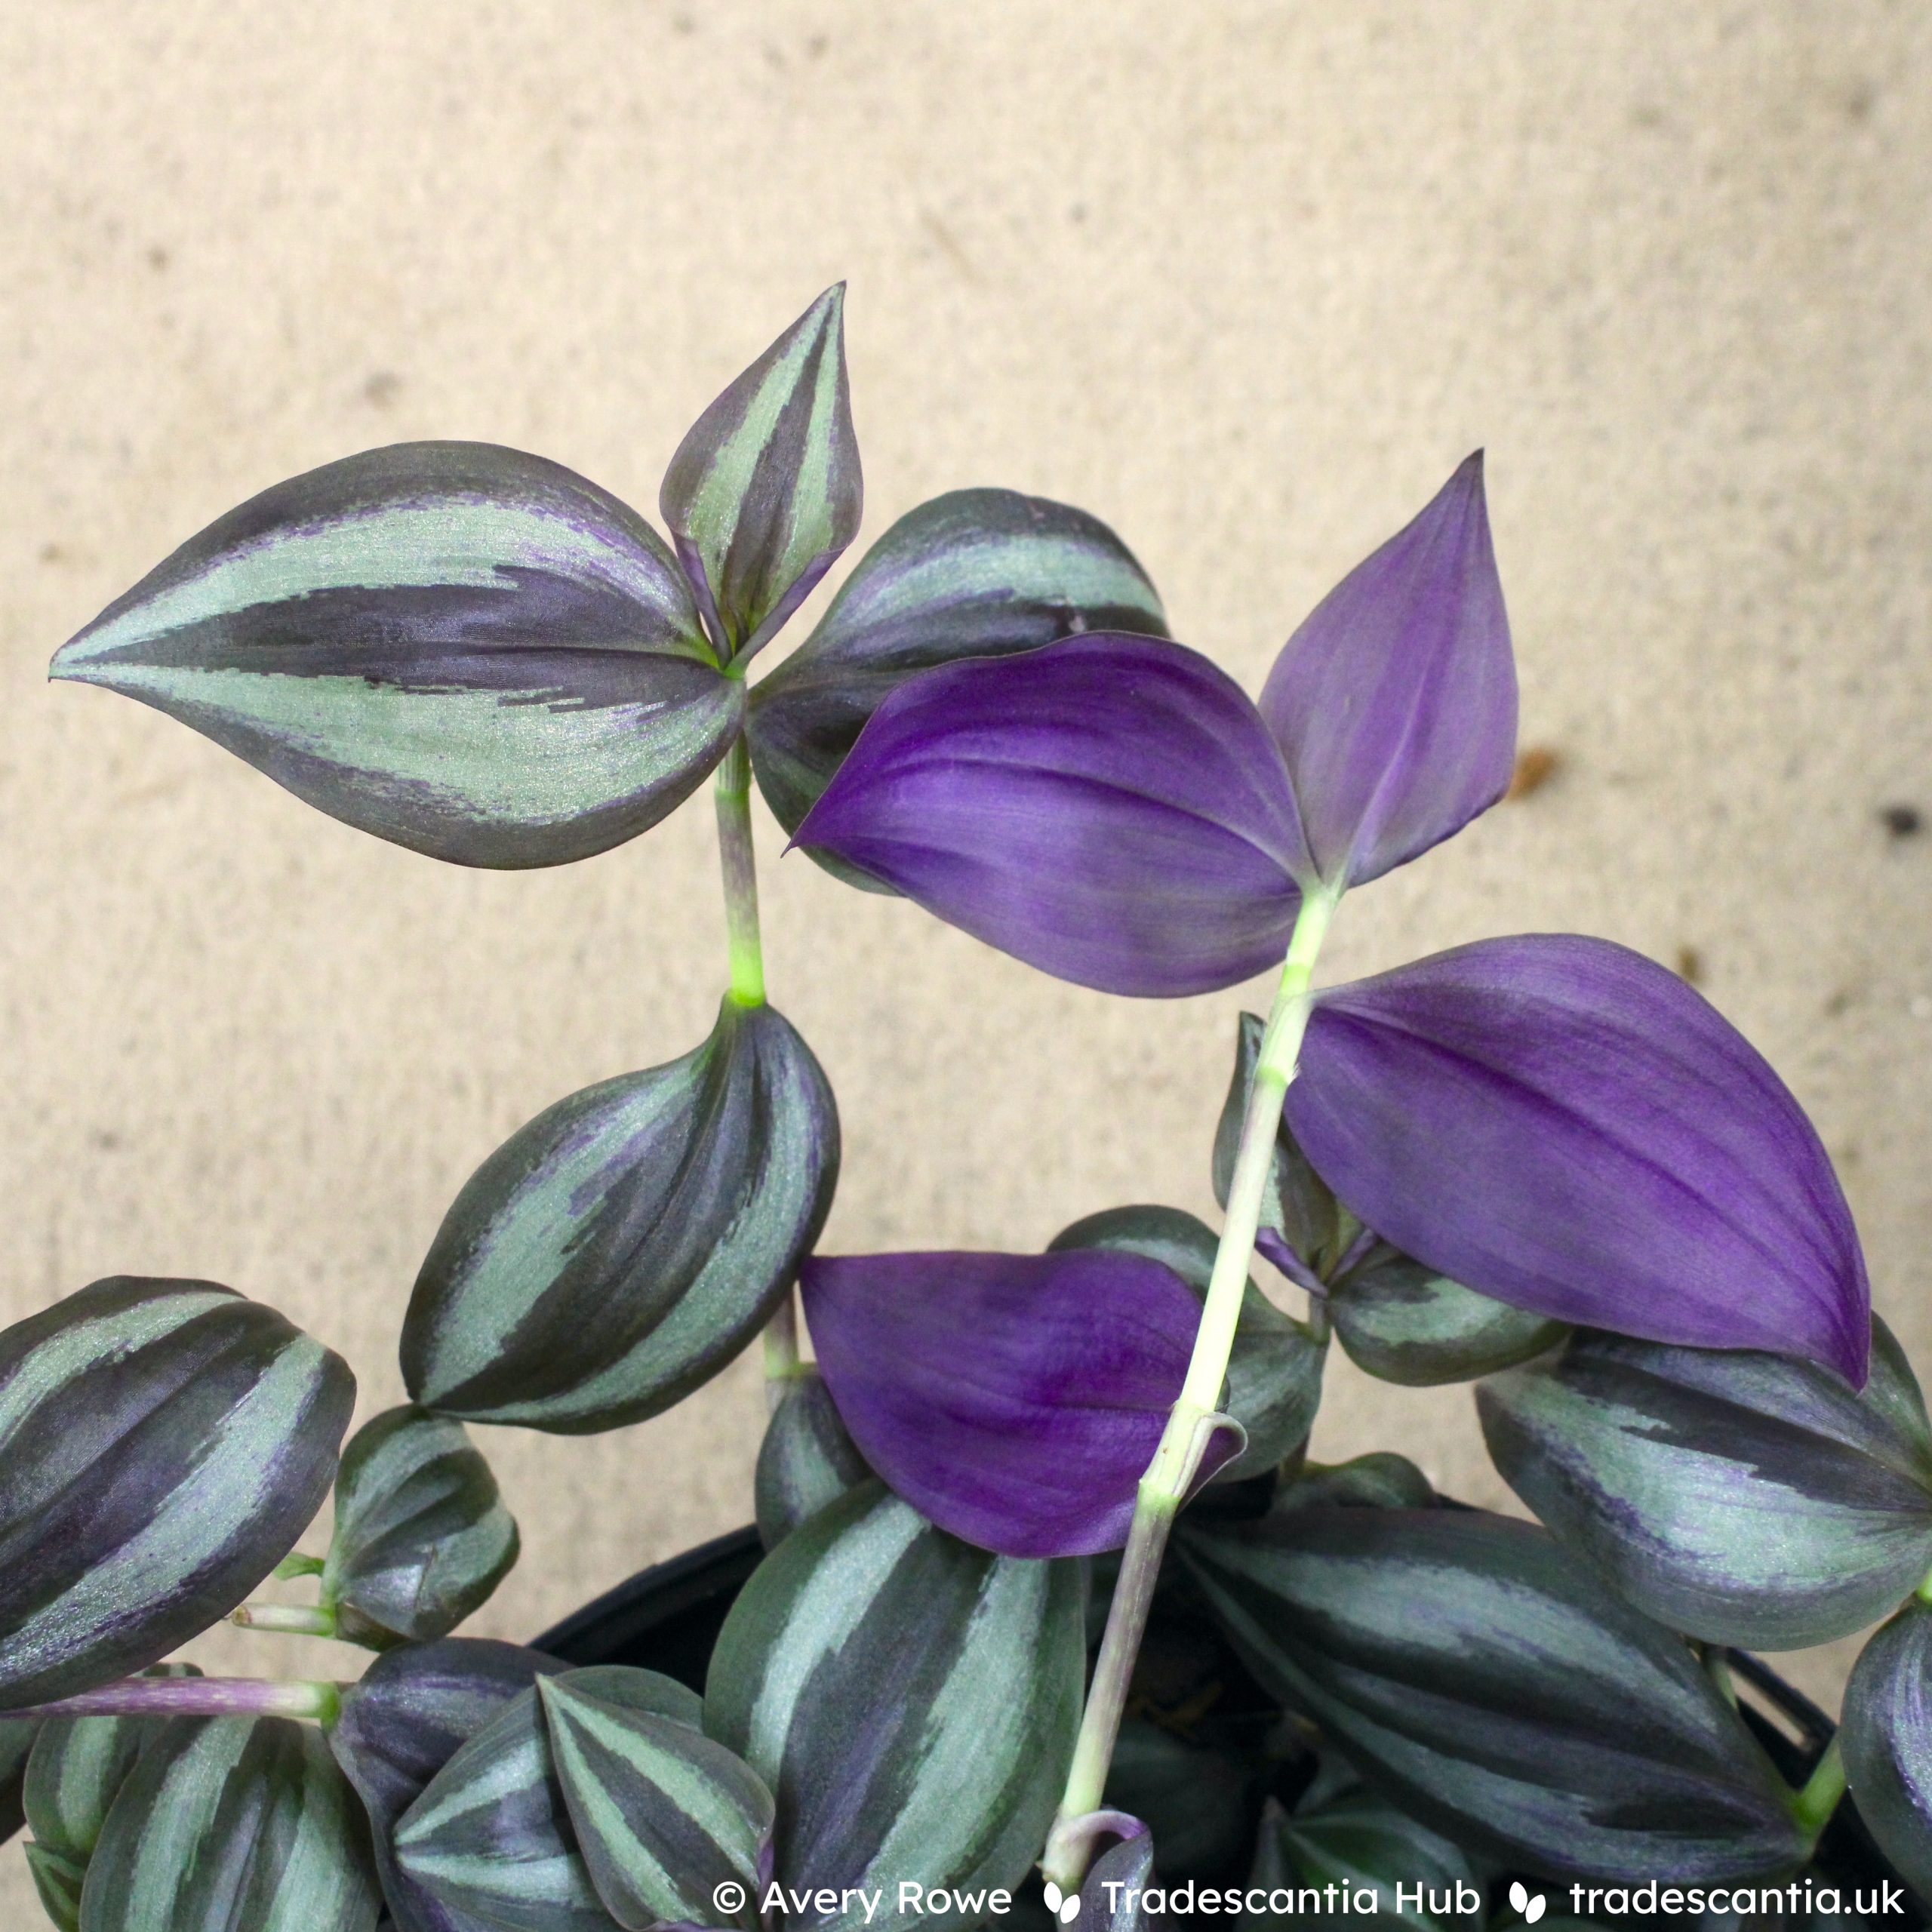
x=1014 y=1400
x=1560 y=1123
x=1109 y=808
x=1395 y=703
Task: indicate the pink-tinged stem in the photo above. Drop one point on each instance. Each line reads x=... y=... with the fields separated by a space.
x=314 y=1702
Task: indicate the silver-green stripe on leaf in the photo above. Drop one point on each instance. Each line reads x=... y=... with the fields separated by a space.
x=421 y=1534
x=228 y=1822
x=1887 y=1738
x=972 y=573
x=624 y=1246
x=764 y=491
x=490 y=1838
x=912 y=1702
x=1275 y=1372
x=664 y=1815
x=469 y=650
x=806 y=1460
x=58 y=1879
x=1405 y=1323
x=162 y=1445
x=1483 y=1680
x=1740 y=1497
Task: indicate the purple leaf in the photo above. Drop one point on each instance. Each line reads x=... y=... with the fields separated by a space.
x=1562 y=1124
x=1015 y=1400
x=1395 y=703
x=1109 y=808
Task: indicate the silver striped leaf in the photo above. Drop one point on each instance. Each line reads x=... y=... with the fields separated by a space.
x=57 y=1879
x=664 y=1816
x=1380 y=1480
x=469 y=650
x=1886 y=1737
x=1405 y=1323
x=972 y=573
x=1485 y=1682
x=400 y=1723
x=1275 y=1372
x=1740 y=1497
x=421 y=1534
x=162 y=1445
x=621 y=1248
x=764 y=491
x=490 y=1838
x=911 y=1701
x=806 y=1460
x=232 y=1821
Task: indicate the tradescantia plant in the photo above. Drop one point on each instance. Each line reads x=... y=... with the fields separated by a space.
x=1541 y=1164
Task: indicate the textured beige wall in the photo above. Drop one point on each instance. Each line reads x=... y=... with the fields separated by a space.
x=1244 y=279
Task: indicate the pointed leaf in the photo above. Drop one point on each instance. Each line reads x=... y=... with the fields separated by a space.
x=1560 y=1123
x=663 y=1816
x=807 y=1461
x=1275 y=1372
x=1489 y=1686
x=764 y=491
x=490 y=1838
x=623 y=1246
x=232 y=1822
x=162 y=1445
x=421 y=1534
x=1076 y=1357
x=1395 y=703
x=1736 y=1496
x=58 y=1879
x=466 y=649
x=1111 y=1898
x=1887 y=1739
x=1110 y=809
x=1342 y=1833
x=911 y=1701
x=1407 y=1324
x=972 y=573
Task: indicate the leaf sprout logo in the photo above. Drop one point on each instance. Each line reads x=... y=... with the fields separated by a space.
x=1531 y=1905
x=1066 y=1908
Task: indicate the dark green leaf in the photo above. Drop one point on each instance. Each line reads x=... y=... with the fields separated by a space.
x=911 y=1700
x=162 y=1445
x=1405 y=1323
x=227 y=1823
x=421 y=1535
x=1275 y=1372
x=663 y=1816
x=974 y=574
x=764 y=491
x=58 y=1879
x=1488 y=1685
x=17 y=1741
x=1199 y=1803
x=807 y=1459
x=464 y=649
x=1742 y=1498
x=1297 y=1208
x=1380 y=1480
x=621 y=1248
x=1887 y=1739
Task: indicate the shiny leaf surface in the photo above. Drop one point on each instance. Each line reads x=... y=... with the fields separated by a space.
x=807 y=1461
x=1406 y=1324
x=1887 y=1739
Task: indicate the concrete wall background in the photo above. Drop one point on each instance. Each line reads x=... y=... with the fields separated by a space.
x=1244 y=279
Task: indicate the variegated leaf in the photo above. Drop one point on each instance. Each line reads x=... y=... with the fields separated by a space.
x=664 y=1816
x=764 y=491
x=621 y=1248
x=1405 y=1323
x=1887 y=1739
x=1275 y=1372
x=232 y=1822
x=400 y=1723
x=1486 y=1684
x=972 y=573
x=58 y=1879
x=17 y=1743
x=1380 y=1480
x=466 y=649
x=421 y=1534
x=490 y=1838
x=807 y=1461
x=162 y=1445
x=1740 y=1497
x=912 y=1702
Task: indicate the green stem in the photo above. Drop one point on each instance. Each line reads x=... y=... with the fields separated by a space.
x=781 y=1350
x=297 y=1564
x=1813 y=1806
x=740 y=868
x=292 y=1620
x=1165 y=1487
x=313 y=1702
x=1924 y=1593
